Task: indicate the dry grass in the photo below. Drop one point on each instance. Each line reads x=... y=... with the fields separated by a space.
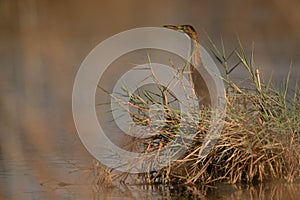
x=260 y=139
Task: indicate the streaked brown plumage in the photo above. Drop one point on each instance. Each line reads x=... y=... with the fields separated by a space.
x=199 y=84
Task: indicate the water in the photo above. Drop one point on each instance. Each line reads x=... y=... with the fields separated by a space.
x=22 y=179
x=42 y=44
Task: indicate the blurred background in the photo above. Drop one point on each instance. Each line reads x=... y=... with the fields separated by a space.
x=42 y=44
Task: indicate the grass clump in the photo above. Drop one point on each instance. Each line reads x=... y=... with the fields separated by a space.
x=260 y=139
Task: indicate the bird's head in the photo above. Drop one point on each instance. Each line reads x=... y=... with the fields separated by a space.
x=187 y=29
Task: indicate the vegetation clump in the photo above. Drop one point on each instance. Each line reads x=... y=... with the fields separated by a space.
x=260 y=139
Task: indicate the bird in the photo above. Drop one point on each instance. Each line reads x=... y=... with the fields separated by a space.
x=198 y=82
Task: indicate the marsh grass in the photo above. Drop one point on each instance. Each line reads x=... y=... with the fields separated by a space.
x=260 y=139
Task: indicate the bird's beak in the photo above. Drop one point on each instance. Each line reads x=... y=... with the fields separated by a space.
x=177 y=28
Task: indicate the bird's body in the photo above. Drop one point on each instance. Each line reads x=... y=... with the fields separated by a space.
x=197 y=69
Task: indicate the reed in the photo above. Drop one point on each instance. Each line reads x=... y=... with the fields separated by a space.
x=259 y=141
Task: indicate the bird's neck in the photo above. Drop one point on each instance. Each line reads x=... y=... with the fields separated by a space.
x=196 y=56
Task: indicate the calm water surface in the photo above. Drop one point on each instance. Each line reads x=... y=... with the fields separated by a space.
x=73 y=179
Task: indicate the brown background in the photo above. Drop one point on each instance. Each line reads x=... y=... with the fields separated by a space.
x=42 y=44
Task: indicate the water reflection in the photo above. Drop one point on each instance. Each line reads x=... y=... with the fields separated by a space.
x=271 y=190
x=71 y=179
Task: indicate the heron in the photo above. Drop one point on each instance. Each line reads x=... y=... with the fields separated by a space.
x=198 y=81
